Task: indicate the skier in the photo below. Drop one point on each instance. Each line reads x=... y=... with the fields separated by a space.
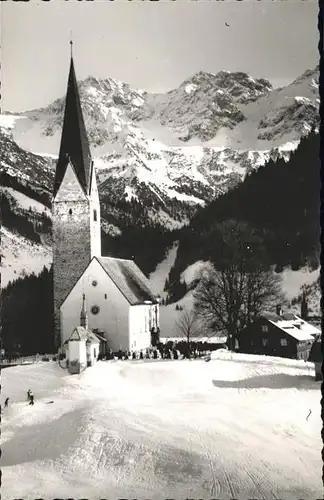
x=31 y=402
x=28 y=394
x=6 y=403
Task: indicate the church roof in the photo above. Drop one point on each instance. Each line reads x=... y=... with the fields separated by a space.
x=129 y=279
x=74 y=141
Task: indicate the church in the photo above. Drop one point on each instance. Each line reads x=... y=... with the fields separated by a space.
x=115 y=295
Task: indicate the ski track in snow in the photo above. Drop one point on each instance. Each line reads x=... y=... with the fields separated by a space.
x=163 y=429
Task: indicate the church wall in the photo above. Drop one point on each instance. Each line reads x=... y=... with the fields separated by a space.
x=139 y=327
x=112 y=318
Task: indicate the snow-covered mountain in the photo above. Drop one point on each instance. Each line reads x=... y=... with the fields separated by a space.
x=171 y=152
x=187 y=145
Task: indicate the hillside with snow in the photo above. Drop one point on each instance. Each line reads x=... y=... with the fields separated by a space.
x=294 y=283
x=164 y=429
x=20 y=257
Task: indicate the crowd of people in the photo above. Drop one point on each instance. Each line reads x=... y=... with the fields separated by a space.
x=171 y=350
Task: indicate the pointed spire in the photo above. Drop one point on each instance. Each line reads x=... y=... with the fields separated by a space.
x=83 y=315
x=74 y=142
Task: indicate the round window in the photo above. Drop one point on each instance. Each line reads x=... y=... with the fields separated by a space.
x=94 y=283
x=95 y=309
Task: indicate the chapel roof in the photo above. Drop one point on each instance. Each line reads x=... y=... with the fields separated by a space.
x=81 y=333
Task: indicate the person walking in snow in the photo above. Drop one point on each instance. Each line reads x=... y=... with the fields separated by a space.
x=31 y=402
x=28 y=394
x=6 y=403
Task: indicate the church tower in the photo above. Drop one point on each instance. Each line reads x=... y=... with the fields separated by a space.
x=75 y=203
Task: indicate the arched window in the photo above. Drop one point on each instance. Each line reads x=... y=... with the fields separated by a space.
x=70 y=211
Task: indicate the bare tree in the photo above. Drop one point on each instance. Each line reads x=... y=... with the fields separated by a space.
x=232 y=295
x=187 y=326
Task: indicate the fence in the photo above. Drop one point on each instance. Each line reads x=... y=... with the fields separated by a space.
x=25 y=360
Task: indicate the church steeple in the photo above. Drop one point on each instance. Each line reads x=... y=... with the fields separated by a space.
x=83 y=315
x=74 y=142
x=75 y=205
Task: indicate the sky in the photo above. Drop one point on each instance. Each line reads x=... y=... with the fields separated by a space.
x=153 y=46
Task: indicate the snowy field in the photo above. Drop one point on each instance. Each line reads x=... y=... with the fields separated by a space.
x=235 y=427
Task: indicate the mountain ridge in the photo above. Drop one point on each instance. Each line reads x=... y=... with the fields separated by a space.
x=150 y=172
x=188 y=145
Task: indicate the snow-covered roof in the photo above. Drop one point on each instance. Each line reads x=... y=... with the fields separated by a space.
x=129 y=279
x=293 y=325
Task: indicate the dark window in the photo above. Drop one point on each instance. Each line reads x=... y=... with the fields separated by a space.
x=95 y=309
x=264 y=342
x=70 y=211
x=95 y=215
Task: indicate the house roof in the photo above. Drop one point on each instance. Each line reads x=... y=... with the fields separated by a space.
x=129 y=279
x=74 y=141
x=293 y=325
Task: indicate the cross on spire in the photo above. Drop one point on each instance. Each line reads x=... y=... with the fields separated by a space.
x=71 y=44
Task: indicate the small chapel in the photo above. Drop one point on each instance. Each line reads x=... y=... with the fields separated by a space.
x=113 y=294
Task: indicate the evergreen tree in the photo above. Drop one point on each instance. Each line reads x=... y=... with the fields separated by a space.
x=27 y=314
x=279 y=201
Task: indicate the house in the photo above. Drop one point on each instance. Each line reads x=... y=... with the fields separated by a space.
x=121 y=306
x=283 y=335
x=118 y=301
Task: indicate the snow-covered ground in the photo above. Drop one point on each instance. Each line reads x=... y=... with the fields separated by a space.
x=21 y=257
x=158 y=277
x=239 y=426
